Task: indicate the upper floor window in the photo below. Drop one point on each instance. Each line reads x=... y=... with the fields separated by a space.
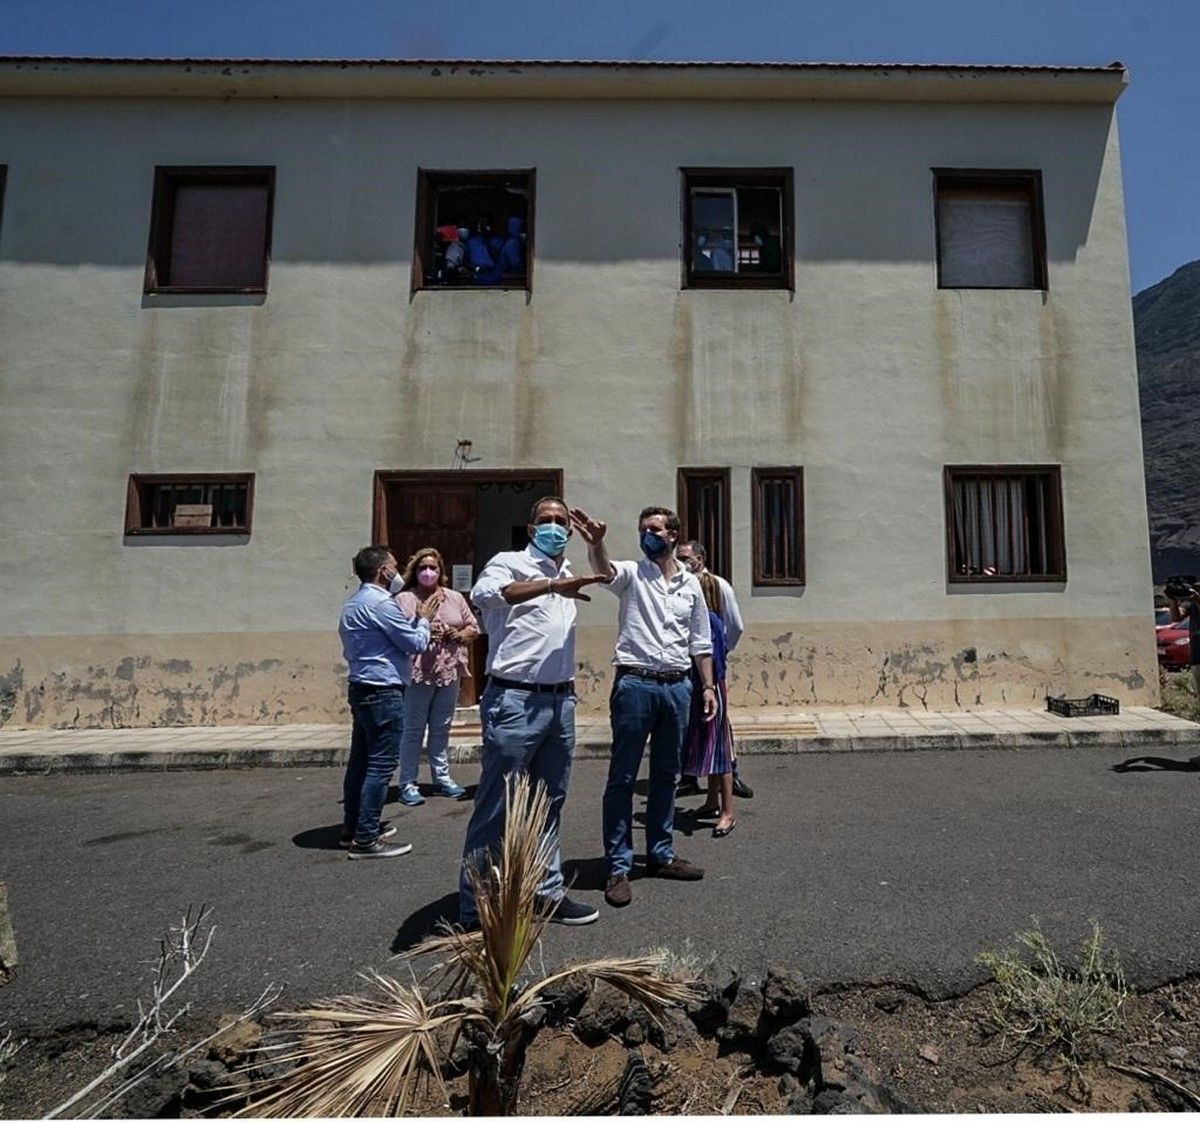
x=210 y=230
x=703 y=504
x=990 y=229
x=474 y=229
x=1005 y=523
x=777 y=525
x=737 y=228
x=220 y=503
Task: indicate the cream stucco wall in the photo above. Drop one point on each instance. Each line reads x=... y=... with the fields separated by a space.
x=868 y=376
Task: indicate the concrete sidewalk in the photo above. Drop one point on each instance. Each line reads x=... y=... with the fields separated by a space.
x=766 y=730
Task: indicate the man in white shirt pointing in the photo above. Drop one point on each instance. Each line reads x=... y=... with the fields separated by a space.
x=526 y=600
x=662 y=626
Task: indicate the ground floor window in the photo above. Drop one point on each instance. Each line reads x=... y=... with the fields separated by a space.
x=703 y=498
x=1005 y=524
x=777 y=525
x=189 y=504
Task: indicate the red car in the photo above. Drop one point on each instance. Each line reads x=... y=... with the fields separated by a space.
x=1174 y=645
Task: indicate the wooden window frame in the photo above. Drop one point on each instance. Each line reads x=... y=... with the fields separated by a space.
x=162 y=211
x=430 y=180
x=990 y=178
x=781 y=178
x=725 y=545
x=757 y=477
x=1056 y=527
x=137 y=496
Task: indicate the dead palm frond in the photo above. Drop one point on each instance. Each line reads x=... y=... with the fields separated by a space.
x=364 y=1055
x=360 y=1055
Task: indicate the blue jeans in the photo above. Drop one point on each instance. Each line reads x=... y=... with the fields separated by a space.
x=374 y=750
x=432 y=706
x=639 y=708
x=523 y=732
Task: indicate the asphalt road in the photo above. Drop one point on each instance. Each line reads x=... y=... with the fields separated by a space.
x=848 y=867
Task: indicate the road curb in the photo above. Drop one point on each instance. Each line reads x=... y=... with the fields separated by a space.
x=329 y=755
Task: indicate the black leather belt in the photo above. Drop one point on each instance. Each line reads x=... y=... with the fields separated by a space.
x=567 y=687
x=653 y=676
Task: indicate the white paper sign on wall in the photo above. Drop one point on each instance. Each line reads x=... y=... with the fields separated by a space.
x=461 y=575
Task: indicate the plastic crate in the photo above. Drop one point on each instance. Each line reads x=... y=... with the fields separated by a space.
x=1083 y=707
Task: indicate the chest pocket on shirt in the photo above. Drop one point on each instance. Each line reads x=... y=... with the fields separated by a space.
x=679 y=605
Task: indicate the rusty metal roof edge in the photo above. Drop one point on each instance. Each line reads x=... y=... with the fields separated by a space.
x=639 y=64
x=67 y=76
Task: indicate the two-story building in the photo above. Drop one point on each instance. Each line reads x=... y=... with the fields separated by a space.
x=867 y=327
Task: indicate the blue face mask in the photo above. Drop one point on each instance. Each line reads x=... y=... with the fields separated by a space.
x=550 y=538
x=653 y=546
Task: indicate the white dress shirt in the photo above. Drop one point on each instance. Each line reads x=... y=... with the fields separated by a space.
x=661 y=623
x=731 y=614
x=532 y=642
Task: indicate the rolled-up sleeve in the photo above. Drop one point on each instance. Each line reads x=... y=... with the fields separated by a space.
x=404 y=634
x=700 y=634
x=489 y=589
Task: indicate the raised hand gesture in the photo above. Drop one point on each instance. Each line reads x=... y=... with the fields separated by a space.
x=590 y=530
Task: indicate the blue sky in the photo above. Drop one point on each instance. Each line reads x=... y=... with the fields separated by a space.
x=1159 y=42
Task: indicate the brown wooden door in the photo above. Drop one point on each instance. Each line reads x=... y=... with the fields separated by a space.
x=442 y=516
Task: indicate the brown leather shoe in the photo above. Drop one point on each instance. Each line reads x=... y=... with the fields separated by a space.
x=677 y=869
x=617 y=892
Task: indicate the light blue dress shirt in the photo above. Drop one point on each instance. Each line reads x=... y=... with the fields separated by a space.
x=378 y=640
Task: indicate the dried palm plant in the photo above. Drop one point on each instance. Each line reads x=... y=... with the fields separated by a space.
x=358 y=1056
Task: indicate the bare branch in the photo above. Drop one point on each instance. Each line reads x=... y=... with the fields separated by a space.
x=180 y=953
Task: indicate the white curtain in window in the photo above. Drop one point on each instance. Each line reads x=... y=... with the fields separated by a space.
x=990 y=520
x=986 y=239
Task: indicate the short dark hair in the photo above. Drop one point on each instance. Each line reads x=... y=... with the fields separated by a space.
x=672 y=518
x=697 y=549
x=368 y=560
x=543 y=501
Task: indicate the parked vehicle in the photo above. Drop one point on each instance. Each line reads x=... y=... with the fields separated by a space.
x=1162 y=617
x=1174 y=645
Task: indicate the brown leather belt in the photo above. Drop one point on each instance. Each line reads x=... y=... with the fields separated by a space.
x=653 y=676
x=567 y=687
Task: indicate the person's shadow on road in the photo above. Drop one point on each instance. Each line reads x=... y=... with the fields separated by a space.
x=319 y=838
x=1157 y=764
x=424 y=922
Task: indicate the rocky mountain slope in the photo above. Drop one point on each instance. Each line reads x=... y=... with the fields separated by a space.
x=1166 y=320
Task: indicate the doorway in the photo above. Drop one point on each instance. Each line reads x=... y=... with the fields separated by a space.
x=469 y=515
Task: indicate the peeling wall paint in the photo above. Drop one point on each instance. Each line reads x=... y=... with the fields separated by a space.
x=87 y=683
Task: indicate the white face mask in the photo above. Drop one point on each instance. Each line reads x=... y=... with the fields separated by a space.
x=396 y=585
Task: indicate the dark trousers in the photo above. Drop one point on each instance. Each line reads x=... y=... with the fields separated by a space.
x=378 y=714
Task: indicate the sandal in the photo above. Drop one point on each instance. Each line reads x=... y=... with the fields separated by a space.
x=705 y=812
x=724 y=832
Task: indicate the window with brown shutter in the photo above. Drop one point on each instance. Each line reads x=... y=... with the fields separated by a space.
x=777 y=525
x=220 y=503
x=1004 y=523
x=703 y=504
x=210 y=230
x=990 y=229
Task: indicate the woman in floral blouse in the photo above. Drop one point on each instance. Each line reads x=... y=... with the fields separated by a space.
x=430 y=699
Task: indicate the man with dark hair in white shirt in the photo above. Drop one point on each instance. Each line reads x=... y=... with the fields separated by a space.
x=526 y=601
x=662 y=627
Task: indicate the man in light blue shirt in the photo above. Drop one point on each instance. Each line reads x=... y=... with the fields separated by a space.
x=378 y=643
